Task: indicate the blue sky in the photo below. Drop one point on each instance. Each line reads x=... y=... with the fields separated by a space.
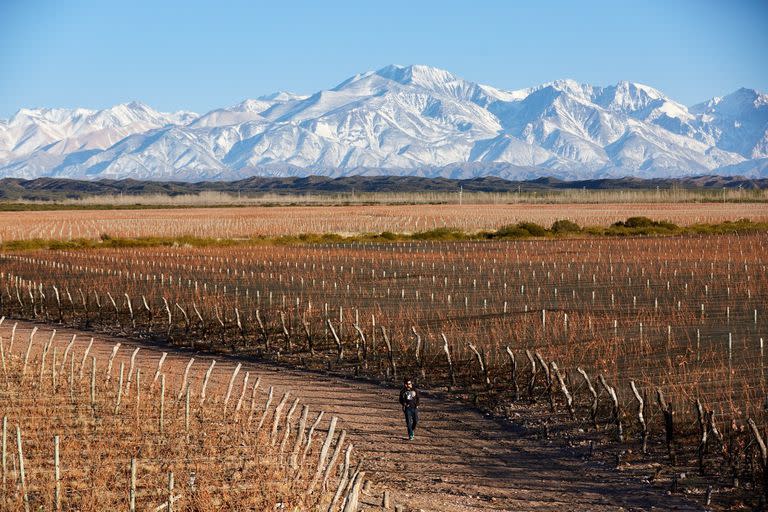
x=202 y=55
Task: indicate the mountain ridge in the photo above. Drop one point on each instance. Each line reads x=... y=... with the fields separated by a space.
x=402 y=120
x=58 y=189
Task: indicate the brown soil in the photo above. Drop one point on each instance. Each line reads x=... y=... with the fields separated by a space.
x=461 y=460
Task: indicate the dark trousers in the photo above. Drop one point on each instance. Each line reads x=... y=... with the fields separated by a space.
x=411 y=419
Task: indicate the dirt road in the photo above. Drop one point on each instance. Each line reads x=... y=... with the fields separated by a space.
x=460 y=460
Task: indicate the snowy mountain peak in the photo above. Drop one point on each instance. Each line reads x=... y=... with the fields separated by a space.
x=418 y=74
x=412 y=119
x=282 y=96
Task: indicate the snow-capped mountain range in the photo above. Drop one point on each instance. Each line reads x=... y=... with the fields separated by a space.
x=406 y=120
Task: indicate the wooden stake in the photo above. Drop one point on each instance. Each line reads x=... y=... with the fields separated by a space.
x=93 y=385
x=120 y=388
x=276 y=419
x=5 y=449
x=111 y=361
x=56 y=475
x=132 y=491
x=205 y=381
x=85 y=358
x=159 y=369
x=162 y=403
x=231 y=383
x=22 y=474
x=169 y=508
x=184 y=386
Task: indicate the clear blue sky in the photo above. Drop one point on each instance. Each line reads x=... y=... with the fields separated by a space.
x=202 y=55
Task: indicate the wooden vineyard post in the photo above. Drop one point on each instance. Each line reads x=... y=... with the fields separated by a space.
x=5 y=450
x=342 y=481
x=262 y=330
x=641 y=415
x=138 y=394
x=270 y=396
x=616 y=409
x=132 y=490
x=419 y=356
x=390 y=353
x=323 y=454
x=763 y=455
x=186 y=413
x=276 y=419
x=119 y=388
x=205 y=381
x=286 y=333
x=161 y=418
x=287 y=430
x=22 y=474
x=447 y=351
x=548 y=378
x=169 y=317
x=239 y=325
x=513 y=375
x=27 y=353
x=703 y=433
x=149 y=313
x=93 y=385
x=231 y=384
x=363 y=355
x=532 y=381
x=481 y=362
x=308 y=333
x=299 y=438
x=85 y=359
x=334 y=457
x=666 y=409
x=564 y=389
x=111 y=361
x=339 y=346
x=242 y=396
x=353 y=498
x=169 y=506
x=56 y=475
x=159 y=370
x=593 y=408
x=308 y=444
x=130 y=371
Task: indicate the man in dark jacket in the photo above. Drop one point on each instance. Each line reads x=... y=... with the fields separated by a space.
x=409 y=399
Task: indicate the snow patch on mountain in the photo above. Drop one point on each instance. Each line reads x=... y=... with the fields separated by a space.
x=415 y=120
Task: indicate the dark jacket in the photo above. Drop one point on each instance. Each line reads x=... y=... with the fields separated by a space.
x=409 y=402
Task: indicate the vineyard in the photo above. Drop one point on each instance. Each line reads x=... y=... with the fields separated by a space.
x=657 y=342
x=246 y=222
x=88 y=429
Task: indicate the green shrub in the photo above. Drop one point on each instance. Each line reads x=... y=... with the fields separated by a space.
x=511 y=231
x=533 y=228
x=565 y=226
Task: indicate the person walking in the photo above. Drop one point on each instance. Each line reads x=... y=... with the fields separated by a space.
x=409 y=399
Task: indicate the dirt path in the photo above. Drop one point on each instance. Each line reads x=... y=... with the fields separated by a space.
x=460 y=460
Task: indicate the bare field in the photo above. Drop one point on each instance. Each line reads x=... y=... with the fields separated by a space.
x=292 y=220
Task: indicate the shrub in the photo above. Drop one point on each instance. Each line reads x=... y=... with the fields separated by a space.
x=511 y=231
x=533 y=228
x=565 y=226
